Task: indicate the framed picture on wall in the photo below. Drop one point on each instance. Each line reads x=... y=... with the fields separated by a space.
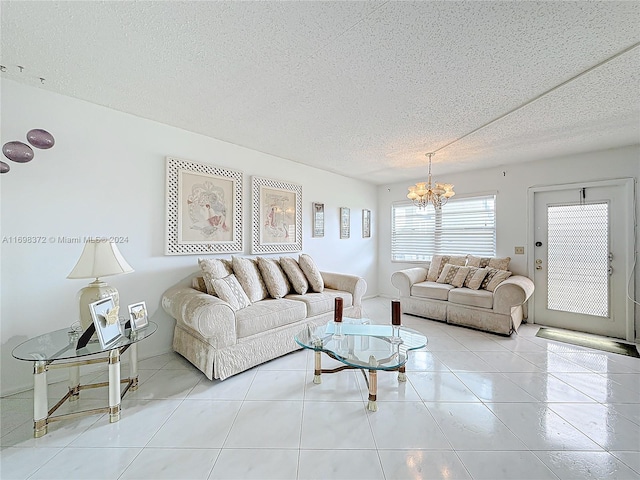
x=204 y=209
x=318 y=220
x=276 y=219
x=366 y=223
x=345 y=222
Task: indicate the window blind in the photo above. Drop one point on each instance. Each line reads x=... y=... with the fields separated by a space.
x=462 y=226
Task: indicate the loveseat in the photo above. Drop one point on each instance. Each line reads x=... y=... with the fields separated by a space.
x=475 y=292
x=246 y=311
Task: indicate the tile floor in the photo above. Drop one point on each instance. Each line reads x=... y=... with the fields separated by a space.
x=476 y=406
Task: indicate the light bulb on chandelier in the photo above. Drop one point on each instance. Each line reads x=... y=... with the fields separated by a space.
x=423 y=193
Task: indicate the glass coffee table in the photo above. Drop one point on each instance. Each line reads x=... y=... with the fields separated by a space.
x=58 y=350
x=364 y=347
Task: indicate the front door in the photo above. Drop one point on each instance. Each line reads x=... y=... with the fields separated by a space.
x=580 y=258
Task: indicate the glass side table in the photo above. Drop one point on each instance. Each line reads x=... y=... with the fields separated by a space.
x=58 y=350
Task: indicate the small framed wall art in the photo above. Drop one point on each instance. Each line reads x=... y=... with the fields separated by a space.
x=276 y=220
x=105 y=318
x=204 y=209
x=366 y=223
x=138 y=315
x=318 y=220
x=345 y=222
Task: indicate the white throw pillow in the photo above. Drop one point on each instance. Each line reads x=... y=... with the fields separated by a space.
x=274 y=278
x=453 y=275
x=212 y=269
x=475 y=277
x=246 y=269
x=494 y=278
x=311 y=272
x=295 y=274
x=489 y=262
x=229 y=290
x=439 y=261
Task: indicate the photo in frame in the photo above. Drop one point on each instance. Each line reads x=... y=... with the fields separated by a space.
x=138 y=315
x=366 y=223
x=318 y=220
x=345 y=222
x=204 y=209
x=105 y=318
x=276 y=218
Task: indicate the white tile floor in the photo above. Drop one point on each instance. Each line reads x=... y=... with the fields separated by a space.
x=476 y=406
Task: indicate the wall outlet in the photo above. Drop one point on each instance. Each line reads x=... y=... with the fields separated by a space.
x=519 y=250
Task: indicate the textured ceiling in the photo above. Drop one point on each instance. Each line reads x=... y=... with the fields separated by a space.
x=360 y=88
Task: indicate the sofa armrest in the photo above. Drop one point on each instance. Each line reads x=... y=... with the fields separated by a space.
x=514 y=291
x=356 y=286
x=404 y=279
x=206 y=314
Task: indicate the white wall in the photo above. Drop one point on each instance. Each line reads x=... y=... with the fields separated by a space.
x=511 y=184
x=105 y=176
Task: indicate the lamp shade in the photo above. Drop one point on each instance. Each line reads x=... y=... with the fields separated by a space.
x=100 y=259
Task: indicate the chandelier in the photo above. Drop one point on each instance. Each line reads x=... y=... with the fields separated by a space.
x=423 y=193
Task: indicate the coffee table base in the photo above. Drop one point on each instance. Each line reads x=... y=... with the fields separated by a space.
x=372 y=381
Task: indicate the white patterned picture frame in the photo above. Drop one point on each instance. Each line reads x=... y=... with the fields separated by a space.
x=204 y=208
x=345 y=222
x=276 y=218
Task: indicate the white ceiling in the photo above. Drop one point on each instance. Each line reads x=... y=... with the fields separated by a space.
x=361 y=88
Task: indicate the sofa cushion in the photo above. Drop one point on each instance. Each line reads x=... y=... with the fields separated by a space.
x=213 y=268
x=248 y=274
x=490 y=262
x=268 y=314
x=475 y=277
x=473 y=298
x=453 y=275
x=198 y=284
x=295 y=274
x=439 y=261
x=274 y=278
x=433 y=290
x=312 y=273
x=319 y=303
x=229 y=290
x=494 y=278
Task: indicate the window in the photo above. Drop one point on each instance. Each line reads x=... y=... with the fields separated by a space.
x=464 y=225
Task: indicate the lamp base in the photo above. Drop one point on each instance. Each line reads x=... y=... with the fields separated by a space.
x=96 y=290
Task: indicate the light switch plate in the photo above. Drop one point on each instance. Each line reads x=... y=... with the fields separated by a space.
x=519 y=250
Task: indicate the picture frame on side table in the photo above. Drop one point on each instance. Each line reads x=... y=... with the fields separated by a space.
x=204 y=209
x=105 y=318
x=318 y=220
x=138 y=315
x=366 y=223
x=276 y=218
x=345 y=222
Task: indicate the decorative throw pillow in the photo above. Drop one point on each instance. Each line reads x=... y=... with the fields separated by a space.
x=490 y=262
x=214 y=268
x=497 y=279
x=229 y=290
x=453 y=275
x=198 y=284
x=246 y=269
x=274 y=278
x=439 y=261
x=475 y=277
x=296 y=275
x=311 y=272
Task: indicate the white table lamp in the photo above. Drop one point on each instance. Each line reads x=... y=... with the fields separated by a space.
x=98 y=259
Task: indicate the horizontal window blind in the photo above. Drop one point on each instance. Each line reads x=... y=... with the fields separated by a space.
x=464 y=225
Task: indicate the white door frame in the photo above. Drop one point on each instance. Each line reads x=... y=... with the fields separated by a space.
x=628 y=185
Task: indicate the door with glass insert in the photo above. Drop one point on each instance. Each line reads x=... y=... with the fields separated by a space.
x=580 y=251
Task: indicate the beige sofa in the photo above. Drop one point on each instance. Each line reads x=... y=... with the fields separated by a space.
x=500 y=311
x=222 y=342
